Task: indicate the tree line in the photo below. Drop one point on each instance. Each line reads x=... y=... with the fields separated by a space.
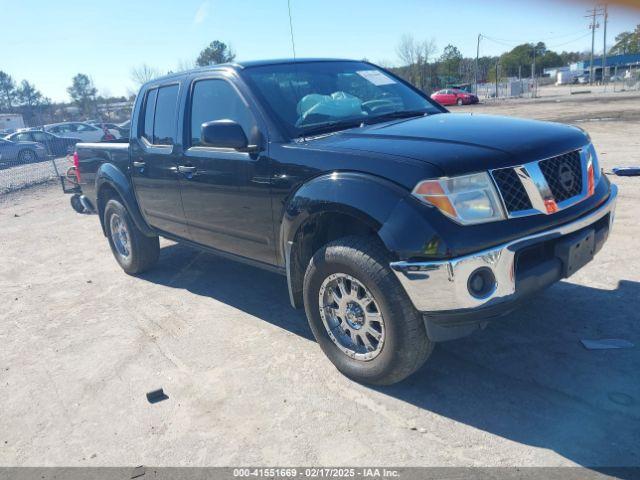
x=37 y=109
x=428 y=71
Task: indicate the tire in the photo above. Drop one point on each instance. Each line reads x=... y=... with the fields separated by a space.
x=134 y=251
x=27 y=156
x=460 y=102
x=364 y=262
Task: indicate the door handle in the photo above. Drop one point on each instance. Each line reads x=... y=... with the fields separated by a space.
x=139 y=164
x=186 y=169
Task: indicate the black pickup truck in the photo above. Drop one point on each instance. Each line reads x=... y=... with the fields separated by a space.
x=396 y=223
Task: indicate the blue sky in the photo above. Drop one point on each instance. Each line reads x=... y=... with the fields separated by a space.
x=49 y=41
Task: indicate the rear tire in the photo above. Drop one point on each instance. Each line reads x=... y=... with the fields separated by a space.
x=364 y=262
x=134 y=251
x=460 y=102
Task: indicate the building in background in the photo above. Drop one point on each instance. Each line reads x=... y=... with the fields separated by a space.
x=11 y=122
x=617 y=67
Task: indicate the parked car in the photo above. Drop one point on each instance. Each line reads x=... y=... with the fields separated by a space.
x=396 y=224
x=12 y=153
x=54 y=145
x=125 y=128
x=83 y=131
x=451 y=96
x=122 y=132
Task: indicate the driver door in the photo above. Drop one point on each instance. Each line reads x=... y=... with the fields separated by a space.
x=225 y=193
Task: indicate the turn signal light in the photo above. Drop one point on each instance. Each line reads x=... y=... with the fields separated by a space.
x=76 y=164
x=591 y=180
x=431 y=191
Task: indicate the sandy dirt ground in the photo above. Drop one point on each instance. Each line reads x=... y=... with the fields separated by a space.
x=81 y=343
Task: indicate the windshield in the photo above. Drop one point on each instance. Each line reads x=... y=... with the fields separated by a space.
x=312 y=97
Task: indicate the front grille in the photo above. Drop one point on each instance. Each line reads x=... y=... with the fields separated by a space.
x=513 y=193
x=564 y=175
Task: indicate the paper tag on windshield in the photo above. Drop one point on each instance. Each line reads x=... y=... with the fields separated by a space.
x=376 y=77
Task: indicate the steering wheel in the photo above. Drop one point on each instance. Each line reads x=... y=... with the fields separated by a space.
x=380 y=105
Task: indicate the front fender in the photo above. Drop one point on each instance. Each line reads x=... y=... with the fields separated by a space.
x=399 y=220
x=402 y=222
x=108 y=175
x=366 y=197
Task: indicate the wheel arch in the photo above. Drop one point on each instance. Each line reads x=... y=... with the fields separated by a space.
x=111 y=182
x=333 y=206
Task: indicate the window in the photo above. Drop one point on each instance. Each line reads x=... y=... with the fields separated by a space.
x=22 y=137
x=164 y=125
x=149 y=110
x=217 y=100
x=315 y=96
x=85 y=128
x=40 y=137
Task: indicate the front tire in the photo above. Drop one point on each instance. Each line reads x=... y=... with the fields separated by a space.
x=361 y=316
x=460 y=102
x=27 y=156
x=134 y=251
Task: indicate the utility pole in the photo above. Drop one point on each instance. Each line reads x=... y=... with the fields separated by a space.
x=604 y=51
x=533 y=73
x=497 y=63
x=477 y=60
x=593 y=14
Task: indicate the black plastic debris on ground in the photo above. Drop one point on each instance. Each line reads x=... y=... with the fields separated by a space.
x=606 y=344
x=626 y=171
x=157 y=396
x=138 y=472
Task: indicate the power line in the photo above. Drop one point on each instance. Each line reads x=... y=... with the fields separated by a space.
x=546 y=39
x=570 y=41
x=506 y=44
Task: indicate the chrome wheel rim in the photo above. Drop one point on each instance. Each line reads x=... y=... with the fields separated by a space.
x=120 y=236
x=351 y=317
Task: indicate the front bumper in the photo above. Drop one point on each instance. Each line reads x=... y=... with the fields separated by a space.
x=440 y=289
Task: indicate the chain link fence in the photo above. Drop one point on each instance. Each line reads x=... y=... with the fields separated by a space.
x=17 y=174
x=625 y=80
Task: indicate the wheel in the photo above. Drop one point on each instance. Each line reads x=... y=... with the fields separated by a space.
x=459 y=102
x=76 y=204
x=134 y=251
x=27 y=156
x=360 y=315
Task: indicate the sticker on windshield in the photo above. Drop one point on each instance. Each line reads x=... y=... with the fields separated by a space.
x=376 y=77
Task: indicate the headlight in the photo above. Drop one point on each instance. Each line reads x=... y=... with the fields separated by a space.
x=467 y=199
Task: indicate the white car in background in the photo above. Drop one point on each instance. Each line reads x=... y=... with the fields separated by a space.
x=85 y=132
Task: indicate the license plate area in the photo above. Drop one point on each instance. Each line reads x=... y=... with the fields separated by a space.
x=576 y=250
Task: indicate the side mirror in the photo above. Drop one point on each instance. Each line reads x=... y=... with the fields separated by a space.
x=225 y=134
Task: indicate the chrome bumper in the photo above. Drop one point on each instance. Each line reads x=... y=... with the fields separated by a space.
x=441 y=286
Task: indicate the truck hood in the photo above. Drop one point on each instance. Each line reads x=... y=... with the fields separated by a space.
x=461 y=143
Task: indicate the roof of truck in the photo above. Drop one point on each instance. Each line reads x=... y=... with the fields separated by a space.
x=248 y=64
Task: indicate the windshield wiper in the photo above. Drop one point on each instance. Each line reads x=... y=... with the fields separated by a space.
x=393 y=115
x=330 y=127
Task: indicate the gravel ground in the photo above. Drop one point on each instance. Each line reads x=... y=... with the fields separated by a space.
x=81 y=343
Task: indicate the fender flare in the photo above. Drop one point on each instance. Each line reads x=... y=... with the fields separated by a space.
x=382 y=205
x=110 y=175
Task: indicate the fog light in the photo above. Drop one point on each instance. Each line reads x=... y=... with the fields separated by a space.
x=481 y=282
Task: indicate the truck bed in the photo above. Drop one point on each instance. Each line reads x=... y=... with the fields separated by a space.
x=91 y=156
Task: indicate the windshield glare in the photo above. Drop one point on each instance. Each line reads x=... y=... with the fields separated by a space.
x=307 y=95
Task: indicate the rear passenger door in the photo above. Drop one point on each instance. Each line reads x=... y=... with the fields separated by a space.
x=153 y=155
x=226 y=193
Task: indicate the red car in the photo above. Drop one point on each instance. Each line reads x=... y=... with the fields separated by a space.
x=452 y=96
